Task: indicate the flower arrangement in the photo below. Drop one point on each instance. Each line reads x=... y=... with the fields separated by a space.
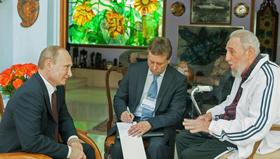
x=13 y=78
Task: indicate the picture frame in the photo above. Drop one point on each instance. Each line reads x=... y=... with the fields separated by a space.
x=124 y=24
x=201 y=45
x=216 y=12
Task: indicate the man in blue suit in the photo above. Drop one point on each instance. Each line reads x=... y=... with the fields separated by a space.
x=36 y=118
x=155 y=93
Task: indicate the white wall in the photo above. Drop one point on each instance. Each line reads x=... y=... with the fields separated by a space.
x=6 y=49
x=23 y=45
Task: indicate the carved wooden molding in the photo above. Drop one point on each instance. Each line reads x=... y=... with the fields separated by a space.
x=252 y=17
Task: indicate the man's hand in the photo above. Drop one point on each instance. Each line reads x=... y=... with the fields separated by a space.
x=76 y=153
x=139 y=129
x=75 y=143
x=201 y=124
x=207 y=116
x=127 y=117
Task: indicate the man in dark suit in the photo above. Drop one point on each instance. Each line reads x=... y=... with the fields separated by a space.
x=36 y=118
x=155 y=93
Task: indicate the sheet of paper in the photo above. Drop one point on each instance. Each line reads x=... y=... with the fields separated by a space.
x=132 y=147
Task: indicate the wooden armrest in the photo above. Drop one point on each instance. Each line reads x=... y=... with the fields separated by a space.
x=275 y=127
x=23 y=155
x=84 y=137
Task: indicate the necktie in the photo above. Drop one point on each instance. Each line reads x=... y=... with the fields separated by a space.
x=55 y=114
x=152 y=92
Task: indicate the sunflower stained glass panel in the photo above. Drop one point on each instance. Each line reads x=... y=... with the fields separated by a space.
x=125 y=23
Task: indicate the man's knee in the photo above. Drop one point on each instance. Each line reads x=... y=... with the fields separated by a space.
x=189 y=154
x=156 y=146
x=158 y=150
x=180 y=136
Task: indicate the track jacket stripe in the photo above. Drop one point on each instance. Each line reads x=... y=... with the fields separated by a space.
x=264 y=111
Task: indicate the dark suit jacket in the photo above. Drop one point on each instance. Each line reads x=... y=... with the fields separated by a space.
x=171 y=100
x=28 y=125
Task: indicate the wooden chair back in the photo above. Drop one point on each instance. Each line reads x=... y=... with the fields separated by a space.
x=110 y=122
x=121 y=71
x=1 y=105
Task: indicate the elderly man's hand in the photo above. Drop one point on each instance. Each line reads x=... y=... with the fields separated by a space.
x=207 y=116
x=197 y=125
x=139 y=129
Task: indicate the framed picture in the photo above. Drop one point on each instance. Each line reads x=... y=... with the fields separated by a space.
x=211 y=12
x=110 y=23
x=201 y=45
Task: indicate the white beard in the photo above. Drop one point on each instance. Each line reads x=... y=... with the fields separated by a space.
x=237 y=73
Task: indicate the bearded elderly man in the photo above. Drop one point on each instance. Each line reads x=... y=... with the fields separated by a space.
x=248 y=112
x=155 y=93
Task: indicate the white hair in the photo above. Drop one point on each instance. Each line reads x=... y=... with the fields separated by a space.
x=247 y=39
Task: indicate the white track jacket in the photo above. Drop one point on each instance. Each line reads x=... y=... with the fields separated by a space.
x=256 y=111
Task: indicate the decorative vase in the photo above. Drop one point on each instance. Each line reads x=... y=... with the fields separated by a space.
x=6 y=98
x=3 y=102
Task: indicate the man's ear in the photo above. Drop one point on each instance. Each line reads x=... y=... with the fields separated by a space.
x=48 y=64
x=251 y=52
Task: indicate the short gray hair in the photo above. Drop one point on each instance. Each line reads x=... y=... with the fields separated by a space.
x=247 y=39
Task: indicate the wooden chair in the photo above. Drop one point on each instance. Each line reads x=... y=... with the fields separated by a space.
x=1 y=106
x=24 y=155
x=276 y=154
x=110 y=140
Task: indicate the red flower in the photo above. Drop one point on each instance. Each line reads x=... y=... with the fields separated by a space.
x=5 y=77
x=17 y=83
x=12 y=78
x=30 y=69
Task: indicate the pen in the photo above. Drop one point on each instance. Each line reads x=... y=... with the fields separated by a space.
x=127 y=108
x=131 y=116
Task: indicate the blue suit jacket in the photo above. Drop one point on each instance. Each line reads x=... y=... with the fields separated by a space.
x=171 y=100
x=28 y=124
